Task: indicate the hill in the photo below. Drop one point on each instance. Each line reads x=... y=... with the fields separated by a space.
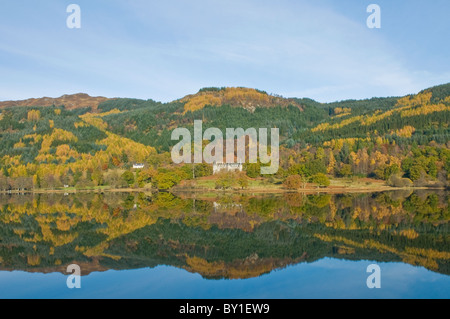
x=79 y=140
x=74 y=101
x=249 y=99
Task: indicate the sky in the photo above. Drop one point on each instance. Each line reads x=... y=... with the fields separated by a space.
x=164 y=50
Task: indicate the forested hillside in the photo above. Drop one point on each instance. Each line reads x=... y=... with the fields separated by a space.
x=402 y=140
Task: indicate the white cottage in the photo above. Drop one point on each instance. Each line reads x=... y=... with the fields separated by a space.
x=229 y=167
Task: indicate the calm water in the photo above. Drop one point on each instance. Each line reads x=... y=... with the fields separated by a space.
x=271 y=246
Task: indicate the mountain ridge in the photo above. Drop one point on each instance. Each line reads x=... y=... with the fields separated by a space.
x=248 y=98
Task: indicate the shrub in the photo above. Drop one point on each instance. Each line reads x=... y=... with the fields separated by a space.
x=397 y=181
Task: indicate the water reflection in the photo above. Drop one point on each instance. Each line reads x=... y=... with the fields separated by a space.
x=228 y=237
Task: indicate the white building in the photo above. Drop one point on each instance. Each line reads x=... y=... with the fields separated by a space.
x=229 y=167
x=138 y=166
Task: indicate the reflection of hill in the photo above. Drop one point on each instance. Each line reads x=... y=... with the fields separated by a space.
x=251 y=237
x=252 y=266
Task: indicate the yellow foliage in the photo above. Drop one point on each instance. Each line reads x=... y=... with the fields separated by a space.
x=93 y=120
x=425 y=109
x=252 y=266
x=411 y=255
x=199 y=102
x=343 y=250
x=331 y=164
x=33 y=260
x=340 y=110
x=326 y=126
x=407 y=131
x=19 y=144
x=234 y=96
x=33 y=115
x=404 y=106
x=337 y=144
x=429 y=253
x=418 y=99
x=80 y=124
x=114 y=111
x=117 y=145
x=409 y=233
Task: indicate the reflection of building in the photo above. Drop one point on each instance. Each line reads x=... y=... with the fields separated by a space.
x=226 y=206
x=138 y=166
x=217 y=167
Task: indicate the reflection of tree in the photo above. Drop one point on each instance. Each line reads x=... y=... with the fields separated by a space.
x=294 y=199
x=254 y=233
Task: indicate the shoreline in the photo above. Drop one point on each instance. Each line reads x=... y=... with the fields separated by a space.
x=184 y=190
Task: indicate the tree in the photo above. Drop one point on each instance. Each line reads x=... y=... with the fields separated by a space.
x=396 y=180
x=293 y=182
x=416 y=171
x=98 y=178
x=432 y=168
x=346 y=170
x=115 y=180
x=67 y=179
x=391 y=170
x=331 y=163
x=33 y=116
x=225 y=180
x=24 y=183
x=242 y=181
x=128 y=177
x=50 y=181
x=321 y=180
x=145 y=176
x=4 y=186
x=253 y=170
x=203 y=169
x=84 y=182
x=166 y=180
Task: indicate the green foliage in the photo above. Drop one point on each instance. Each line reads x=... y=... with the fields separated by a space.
x=128 y=177
x=321 y=180
x=253 y=170
x=166 y=179
x=372 y=149
x=203 y=169
x=225 y=180
x=242 y=181
x=345 y=170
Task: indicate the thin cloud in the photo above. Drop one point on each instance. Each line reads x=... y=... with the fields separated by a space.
x=164 y=50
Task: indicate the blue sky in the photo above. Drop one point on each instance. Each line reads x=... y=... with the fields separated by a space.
x=325 y=278
x=166 y=49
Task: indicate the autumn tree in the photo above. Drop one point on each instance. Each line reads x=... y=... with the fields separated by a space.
x=33 y=115
x=293 y=182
